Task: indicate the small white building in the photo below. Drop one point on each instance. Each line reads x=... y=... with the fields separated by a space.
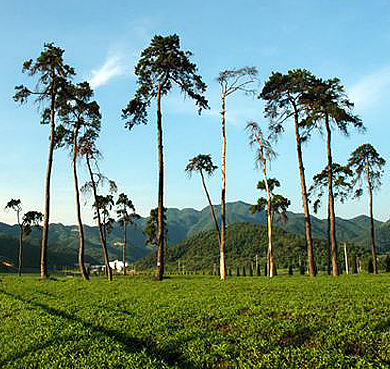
x=117 y=265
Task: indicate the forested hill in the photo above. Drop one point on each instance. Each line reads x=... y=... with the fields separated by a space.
x=63 y=241
x=245 y=243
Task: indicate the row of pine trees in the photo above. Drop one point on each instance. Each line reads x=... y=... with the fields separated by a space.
x=296 y=98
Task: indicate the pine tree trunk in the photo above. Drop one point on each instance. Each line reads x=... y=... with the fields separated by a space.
x=124 y=246
x=83 y=270
x=211 y=208
x=305 y=201
x=374 y=258
x=335 y=271
x=346 y=259
x=160 y=208
x=45 y=231
x=102 y=238
x=271 y=270
x=328 y=252
x=270 y=257
x=20 y=263
x=222 y=261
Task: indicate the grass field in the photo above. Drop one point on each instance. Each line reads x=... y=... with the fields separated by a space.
x=195 y=322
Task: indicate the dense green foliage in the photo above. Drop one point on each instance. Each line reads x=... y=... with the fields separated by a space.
x=289 y=322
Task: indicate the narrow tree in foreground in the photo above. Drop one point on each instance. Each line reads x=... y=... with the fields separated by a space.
x=329 y=107
x=284 y=94
x=264 y=153
x=53 y=76
x=365 y=161
x=276 y=204
x=203 y=163
x=126 y=215
x=91 y=154
x=230 y=81
x=341 y=190
x=161 y=66
x=79 y=115
x=16 y=206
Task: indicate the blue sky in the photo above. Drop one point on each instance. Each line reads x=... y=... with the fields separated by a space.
x=348 y=39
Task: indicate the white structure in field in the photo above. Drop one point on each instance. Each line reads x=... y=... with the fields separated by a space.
x=117 y=265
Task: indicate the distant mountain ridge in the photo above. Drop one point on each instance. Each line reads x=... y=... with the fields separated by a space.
x=182 y=224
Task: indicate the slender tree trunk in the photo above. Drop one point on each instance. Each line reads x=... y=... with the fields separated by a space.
x=83 y=270
x=160 y=208
x=222 y=261
x=328 y=252
x=310 y=257
x=270 y=257
x=124 y=246
x=346 y=259
x=271 y=265
x=335 y=271
x=211 y=207
x=102 y=238
x=374 y=258
x=45 y=232
x=20 y=248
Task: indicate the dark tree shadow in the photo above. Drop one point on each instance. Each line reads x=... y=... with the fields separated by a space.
x=130 y=344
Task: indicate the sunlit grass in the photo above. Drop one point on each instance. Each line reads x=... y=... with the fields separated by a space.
x=196 y=322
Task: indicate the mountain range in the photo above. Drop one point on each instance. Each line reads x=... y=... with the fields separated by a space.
x=63 y=239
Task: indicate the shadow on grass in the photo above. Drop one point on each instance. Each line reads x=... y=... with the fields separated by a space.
x=382 y=326
x=130 y=344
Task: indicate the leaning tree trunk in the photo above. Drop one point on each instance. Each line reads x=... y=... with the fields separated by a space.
x=160 y=207
x=374 y=258
x=305 y=201
x=83 y=270
x=222 y=260
x=335 y=270
x=211 y=207
x=45 y=232
x=102 y=238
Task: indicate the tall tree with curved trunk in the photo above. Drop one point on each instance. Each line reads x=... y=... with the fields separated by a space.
x=283 y=94
x=365 y=161
x=274 y=204
x=341 y=190
x=161 y=65
x=264 y=153
x=230 y=81
x=204 y=163
x=92 y=154
x=78 y=115
x=53 y=75
x=328 y=106
x=126 y=215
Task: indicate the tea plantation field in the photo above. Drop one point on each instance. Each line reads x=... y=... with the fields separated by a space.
x=195 y=322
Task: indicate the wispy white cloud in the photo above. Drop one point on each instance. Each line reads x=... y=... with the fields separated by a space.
x=123 y=53
x=371 y=89
x=111 y=68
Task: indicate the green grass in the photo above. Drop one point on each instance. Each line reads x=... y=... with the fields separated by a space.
x=195 y=322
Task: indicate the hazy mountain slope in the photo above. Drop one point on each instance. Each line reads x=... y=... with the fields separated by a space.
x=63 y=239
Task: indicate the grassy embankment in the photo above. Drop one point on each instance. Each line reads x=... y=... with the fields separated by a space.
x=195 y=322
